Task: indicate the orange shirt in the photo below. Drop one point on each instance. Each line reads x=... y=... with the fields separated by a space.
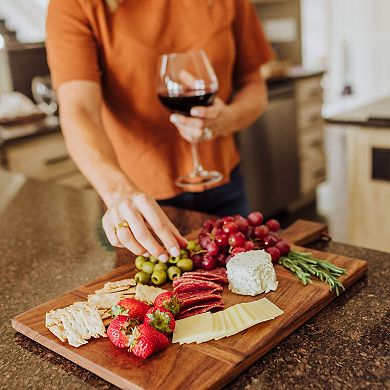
x=119 y=50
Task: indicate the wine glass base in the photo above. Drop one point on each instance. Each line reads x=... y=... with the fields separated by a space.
x=200 y=181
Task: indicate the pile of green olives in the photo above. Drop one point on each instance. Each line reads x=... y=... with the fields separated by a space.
x=152 y=270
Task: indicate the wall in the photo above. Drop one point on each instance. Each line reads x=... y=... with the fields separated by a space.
x=330 y=27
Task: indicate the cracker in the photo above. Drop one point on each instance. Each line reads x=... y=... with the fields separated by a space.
x=147 y=293
x=119 y=285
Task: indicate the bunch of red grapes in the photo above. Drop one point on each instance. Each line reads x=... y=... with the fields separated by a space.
x=221 y=239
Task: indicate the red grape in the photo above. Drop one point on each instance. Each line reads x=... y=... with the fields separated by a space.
x=221 y=259
x=242 y=224
x=283 y=247
x=230 y=227
x=261 y=231
x=250 y=232
x=208 y=225
x=197 y=259
x=228 y=258
x=221 y=238
x=238 y=249
x=209 y=262
x=237 y=239
x=270 y=241
x=249 y=245
x=273 y=225
x=274 y=252
x=227 y=219
x=212 y=249
x=204 y=240
x=255 y=218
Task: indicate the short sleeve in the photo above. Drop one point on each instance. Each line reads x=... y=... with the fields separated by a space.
x=252 y=47
x=71 y=46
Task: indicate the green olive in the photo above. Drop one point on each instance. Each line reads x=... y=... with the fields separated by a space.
x=191 y=245
x=183 y=252
x=160 y=267
x=153 y=259
x=148 y=267
x=159 y=277
x=142 y=277
x=139 y=261
x=173 y=272
x=185 y=264
x=174 y=260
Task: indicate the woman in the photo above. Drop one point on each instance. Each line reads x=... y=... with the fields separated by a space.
x=103 y=56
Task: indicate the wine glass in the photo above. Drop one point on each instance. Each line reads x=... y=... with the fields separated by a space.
x=44 y=94
x=186 y=80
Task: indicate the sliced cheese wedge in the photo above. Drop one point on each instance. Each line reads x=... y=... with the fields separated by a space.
x=191 y=329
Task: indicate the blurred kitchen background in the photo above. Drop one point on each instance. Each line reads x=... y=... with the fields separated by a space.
x=322 y=149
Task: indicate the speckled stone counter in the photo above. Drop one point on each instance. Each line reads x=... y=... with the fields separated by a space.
x=51 y=242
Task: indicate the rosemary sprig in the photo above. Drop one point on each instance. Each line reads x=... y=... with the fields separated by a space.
x=303 y=265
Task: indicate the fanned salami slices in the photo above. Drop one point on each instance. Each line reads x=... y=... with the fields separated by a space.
x=200 y=291
x=194 y=284
x=202 y=308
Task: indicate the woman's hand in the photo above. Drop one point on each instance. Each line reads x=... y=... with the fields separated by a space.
x=146 y=221
x=217 y=118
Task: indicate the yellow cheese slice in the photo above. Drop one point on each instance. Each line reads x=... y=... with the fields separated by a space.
x=230 y=329
x=219 y=329
x=262 y=310
x=245 y=318
x=193 y=328
x=223 y=331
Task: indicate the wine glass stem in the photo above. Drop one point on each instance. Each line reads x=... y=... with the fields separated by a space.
x=198 y=169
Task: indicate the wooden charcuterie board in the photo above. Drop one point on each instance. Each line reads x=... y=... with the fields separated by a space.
x=197 y=366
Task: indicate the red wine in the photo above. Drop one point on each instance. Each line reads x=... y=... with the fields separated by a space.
x=183 y=104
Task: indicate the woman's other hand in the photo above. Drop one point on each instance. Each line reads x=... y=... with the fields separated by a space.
x=217 y=118
x=134 y=220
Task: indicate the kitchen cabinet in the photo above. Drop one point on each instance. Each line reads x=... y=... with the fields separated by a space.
x=282 y=153
x=358 y=183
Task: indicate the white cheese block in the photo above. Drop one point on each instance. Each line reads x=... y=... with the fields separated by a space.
x=251 y=273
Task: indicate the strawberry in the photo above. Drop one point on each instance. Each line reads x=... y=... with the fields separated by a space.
x=160 y=319
x=168 y=300
x=120 y=330
x=146 y=340
x=130 y=307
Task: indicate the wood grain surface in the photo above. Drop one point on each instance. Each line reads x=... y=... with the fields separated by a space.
x=207 y=365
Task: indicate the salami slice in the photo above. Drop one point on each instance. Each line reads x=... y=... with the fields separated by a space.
x=197 y=300
x=196 y=285
x=191 y=294
x=217 y=274
x=200 y=309
x=211 y=278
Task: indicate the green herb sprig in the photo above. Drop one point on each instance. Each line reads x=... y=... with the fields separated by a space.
x=303 y=265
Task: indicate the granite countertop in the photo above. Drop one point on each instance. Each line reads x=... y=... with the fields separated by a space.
x=376 y=114
x=51 y=241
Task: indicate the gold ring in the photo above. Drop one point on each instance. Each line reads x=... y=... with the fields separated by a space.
x=122 y=224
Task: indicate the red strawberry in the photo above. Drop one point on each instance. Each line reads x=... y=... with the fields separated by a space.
x=160 y=319
x=168 y=300
x=120 y=330
x=130 y=307
x=146 y=340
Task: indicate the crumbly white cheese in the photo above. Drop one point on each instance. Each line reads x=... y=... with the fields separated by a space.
x=251 y=273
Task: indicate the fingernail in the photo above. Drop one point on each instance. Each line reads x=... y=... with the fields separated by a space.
x=195 y=112
x=173 y=118
x=146 y=254
x=174 y=252
x=163 y=258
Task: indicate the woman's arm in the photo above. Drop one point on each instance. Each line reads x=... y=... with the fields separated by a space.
x=223 y=119
x=87 y=142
